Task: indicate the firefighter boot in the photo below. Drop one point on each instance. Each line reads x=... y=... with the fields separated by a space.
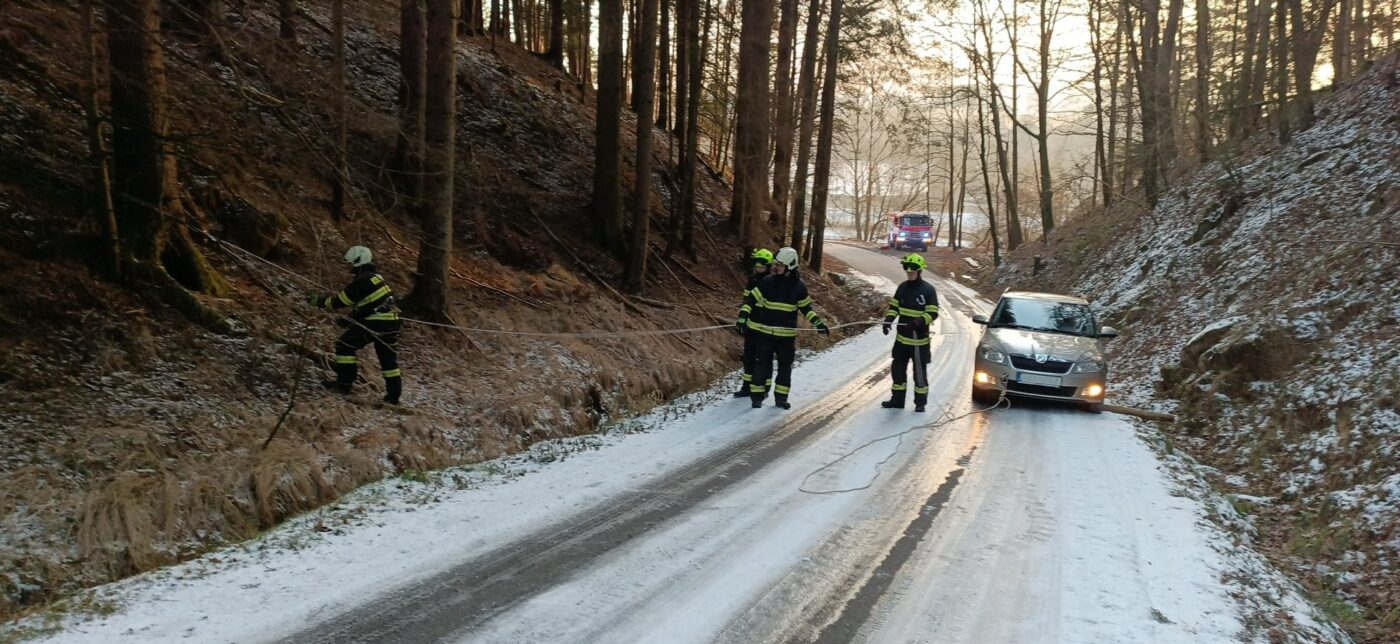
x=393 y=388
x=896 y=401
x=336 y=386
x=782 y=402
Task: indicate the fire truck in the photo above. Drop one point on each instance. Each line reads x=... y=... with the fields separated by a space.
x=913 y=230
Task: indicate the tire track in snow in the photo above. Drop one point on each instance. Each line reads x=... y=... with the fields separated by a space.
x=474 y=591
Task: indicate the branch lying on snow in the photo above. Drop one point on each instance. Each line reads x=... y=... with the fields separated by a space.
x=1343 y=241
x=1140 y=413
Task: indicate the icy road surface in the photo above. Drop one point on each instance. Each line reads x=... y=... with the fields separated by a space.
x=836 y=521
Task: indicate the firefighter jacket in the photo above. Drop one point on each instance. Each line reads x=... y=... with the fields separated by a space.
x=367 y=296
x=773 y=305
x=744 y=308
x=915 y=304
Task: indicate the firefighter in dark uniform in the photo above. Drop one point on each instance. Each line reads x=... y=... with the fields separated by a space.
x=760 y=258
x=774 y=305
x=373 y=317
x=915 y=306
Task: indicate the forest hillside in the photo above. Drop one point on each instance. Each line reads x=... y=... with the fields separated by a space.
x=131 y=437
x=1260 y=303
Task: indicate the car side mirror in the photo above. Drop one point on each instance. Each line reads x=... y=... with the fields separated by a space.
x=979 y=319
x=1108 y=332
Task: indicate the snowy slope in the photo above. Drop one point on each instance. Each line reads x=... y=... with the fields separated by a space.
x=1260 y=302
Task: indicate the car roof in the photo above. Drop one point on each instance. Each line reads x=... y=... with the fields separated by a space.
x=1044 y=297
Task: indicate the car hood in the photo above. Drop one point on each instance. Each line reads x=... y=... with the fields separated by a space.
x=1060 y=346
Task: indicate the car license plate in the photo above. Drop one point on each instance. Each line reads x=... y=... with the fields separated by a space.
x=1044 y=381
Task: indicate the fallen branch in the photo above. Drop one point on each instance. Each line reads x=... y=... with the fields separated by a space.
x=656 y=303
x=586 y=268
x=530 y=303
x=1140 y=413
x=694 y=276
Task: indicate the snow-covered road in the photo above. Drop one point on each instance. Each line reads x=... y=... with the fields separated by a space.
x=835 y=521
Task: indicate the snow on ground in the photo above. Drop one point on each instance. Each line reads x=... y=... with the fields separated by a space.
x=1065 y=528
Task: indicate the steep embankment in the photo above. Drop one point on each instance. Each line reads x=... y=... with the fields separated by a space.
x=129 y=438
x=1260 y=301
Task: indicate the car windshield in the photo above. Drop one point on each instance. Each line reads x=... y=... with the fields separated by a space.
x=1039 y=315
x=914 y=220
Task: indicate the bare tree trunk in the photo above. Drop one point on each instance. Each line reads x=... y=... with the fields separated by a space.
x=823 y=170
x=807 y=91
x=962 y=181
x=103 y=209
x=339 y=173
x=726 y=120
x=430 y=294
x=991 y=208
x=751 y=130
x=1203 y=55
x=1042 y=95
x=1014 y=236
x=412 y=100
x=1341 y=43
x=1244 y=88
x=1100 y=153
x=144 y=176
x=684 y=15
x=627 y=54
x=634 y=276
x=607 y=152
x=517 y=10
x=663 y=90
x=555 y=54
x=1282 y=116
x=1307 y=42
x=783 y=121
x=952 y=147
x=587 y=44
x=695 y=52
x=286 y=19
x=1111 y=161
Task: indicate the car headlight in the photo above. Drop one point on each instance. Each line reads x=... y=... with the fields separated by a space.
x=903 y=235
x=1089 y=366
x=926 y=234
x=992 y=355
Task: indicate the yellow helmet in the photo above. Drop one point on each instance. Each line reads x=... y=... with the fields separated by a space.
x=913 y=262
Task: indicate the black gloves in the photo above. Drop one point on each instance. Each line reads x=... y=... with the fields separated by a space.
x=885 y=327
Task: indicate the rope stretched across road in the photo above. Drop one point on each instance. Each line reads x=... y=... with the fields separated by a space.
x=237 y=250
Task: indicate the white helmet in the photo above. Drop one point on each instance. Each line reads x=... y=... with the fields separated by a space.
x=787 y=256
x=358 y=256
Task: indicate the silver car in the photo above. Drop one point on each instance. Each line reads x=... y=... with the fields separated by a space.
x=1041 y=345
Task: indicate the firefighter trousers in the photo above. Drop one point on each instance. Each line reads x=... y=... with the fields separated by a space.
x=767 y=347
x=384 y=334
x=751 y=361
x=900 y=358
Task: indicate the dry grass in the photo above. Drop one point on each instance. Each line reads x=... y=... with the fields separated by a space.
x=129 y=440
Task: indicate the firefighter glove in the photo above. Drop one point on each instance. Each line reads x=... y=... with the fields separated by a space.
x=315 y=299
x=824 y=330
x=885 y=327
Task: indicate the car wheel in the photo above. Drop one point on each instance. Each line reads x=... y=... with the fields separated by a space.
x=1094 y=408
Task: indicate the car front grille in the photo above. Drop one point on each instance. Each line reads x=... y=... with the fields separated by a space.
x=1060 y=392
x=1049 y=366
